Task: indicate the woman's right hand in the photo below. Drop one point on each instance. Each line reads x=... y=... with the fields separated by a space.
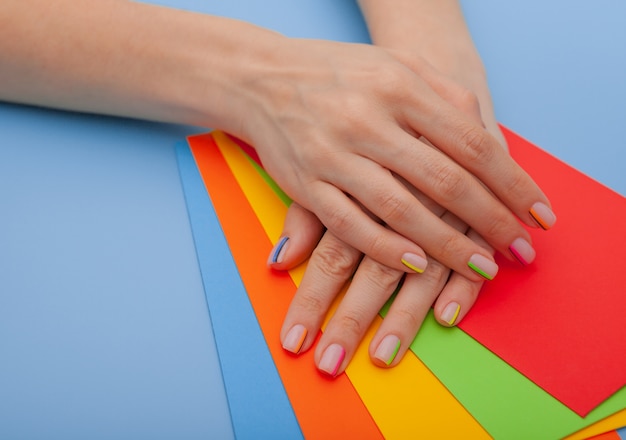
x=333 y=122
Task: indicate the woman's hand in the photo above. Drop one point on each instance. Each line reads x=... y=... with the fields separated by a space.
x=445 y=42
x=332 y=264
x=333 y=122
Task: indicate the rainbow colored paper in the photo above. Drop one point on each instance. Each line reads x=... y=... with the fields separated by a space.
x=387 y=401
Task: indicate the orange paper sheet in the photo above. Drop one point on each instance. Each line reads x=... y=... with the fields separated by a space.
x=315 y=399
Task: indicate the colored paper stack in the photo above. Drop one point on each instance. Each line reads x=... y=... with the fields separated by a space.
x=542 y=354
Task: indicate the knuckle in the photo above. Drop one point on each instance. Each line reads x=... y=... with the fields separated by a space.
x=389 y=77
x=448 y=248
x=349 y=110
x=516 y=184
x=450 y=183
x=467 y=101
x=475 y=146
x=338 y=220
x=407 y=318
x=392 y=207
x=384 y=279
x=436 y=273
x=332 y=260
x=311 y=303
x=351 y=325
x=498 y=225
x=352 y=106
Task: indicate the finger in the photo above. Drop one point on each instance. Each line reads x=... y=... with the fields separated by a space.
x=409 y=308
x=301 y=233
x=472 y=146
x=476 y=150
x=390 y=201
x=331 y=265
x=452 y=187
x=372 y=285
x=346 y=219
x=459 y=295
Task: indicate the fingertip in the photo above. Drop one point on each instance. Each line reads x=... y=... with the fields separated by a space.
x=294 y=339
x=486 y=267
x=301 y=233
x=456 y=299
x=542 y=215
x=387 y=351
x=277 y=255
x=522 y=251
x=332 y=360
x=415 y=262
x=450 y=314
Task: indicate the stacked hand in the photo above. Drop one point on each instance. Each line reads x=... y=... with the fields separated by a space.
x=334 y=263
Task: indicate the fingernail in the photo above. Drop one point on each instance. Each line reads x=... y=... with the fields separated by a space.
x=483 y=266
x=523 y=251
x=278 y=253
x=388 y=349
x=295 y=338
x=414 y=262
x=543 y=215
x=332 y=359
x=450 y=313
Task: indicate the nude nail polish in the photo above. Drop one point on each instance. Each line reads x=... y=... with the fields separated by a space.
x=414 y=262
x=451 y=313
x=278 y=253
x=483 y=266
x=388 y=349
x=543 y=215
x=522 y=251
x=295 y=338
x=331 y=359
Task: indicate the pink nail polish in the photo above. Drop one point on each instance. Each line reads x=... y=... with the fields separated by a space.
x=483 y=266
x=388 y=349
x=278 y=253
x=522 y=251
x=295 y=338
x=332 y=359
x=543 y=215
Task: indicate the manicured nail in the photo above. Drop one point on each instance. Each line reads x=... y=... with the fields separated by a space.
x=278 y=253
x=295 y=338
x=523 y=251
x=332 y=359
x=450 y=313
x=483 y=266
x=414 y=262
x=543 y=215
x=388 y=349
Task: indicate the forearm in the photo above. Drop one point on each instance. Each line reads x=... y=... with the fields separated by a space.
x=125 y=58
x=425 y=25
x=435 y=30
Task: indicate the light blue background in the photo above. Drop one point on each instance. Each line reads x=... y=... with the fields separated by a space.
x=104 y=329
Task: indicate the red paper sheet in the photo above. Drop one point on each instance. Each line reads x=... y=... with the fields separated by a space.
x=561 y=321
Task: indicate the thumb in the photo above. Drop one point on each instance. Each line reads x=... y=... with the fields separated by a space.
x=302 y=231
